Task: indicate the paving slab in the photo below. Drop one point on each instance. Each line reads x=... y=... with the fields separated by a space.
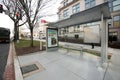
x=61 y=66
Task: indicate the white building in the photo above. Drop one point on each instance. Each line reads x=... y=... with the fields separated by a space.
x=75 y=15
x=40 y=29
x=70 y=8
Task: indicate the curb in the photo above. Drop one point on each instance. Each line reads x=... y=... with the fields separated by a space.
x=12 y=69
x=9 y=73
x=18 y=73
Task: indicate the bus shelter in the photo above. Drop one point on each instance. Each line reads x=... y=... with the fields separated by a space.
x=98 y=13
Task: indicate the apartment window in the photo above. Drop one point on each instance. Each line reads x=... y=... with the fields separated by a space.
x=76 y=8
x=76 y=36
x=110 y=6
x=116 y=21
x=66 y=13
x=76 y=28
x=89 y=3
x=116 y=5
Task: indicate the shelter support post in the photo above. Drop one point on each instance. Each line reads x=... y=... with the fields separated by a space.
x=104 y=40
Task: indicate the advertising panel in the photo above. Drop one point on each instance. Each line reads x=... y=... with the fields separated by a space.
x=52 y=37
x=92 y=34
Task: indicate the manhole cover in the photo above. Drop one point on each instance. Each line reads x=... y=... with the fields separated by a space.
x=29 y=68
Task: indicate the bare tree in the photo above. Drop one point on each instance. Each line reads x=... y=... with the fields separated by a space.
x=33 y=10
x=15 y=13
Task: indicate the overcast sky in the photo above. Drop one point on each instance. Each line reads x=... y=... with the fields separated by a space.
x=51 y=10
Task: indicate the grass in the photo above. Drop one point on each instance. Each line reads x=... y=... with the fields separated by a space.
x=26 y=43
x=97 y=53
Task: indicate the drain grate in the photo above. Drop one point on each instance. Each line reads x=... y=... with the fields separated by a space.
x=29 y=68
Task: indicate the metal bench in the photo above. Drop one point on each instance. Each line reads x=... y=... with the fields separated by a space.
x=72 y=47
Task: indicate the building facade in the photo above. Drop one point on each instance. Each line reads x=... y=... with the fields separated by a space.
x=40 y=29
x=114 y=23
x=71 y=7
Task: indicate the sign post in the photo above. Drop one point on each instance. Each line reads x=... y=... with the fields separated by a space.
x=40 y=40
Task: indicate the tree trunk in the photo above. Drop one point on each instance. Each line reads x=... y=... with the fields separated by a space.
x=15 y=31
x=31 y=44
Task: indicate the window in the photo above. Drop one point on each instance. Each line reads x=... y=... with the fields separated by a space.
x=76 y=8
x=66 y=30
x=116 y=5
x=89 y=3
x=76 y=36
x=76 y=28
x=66 y=13
x=116 y=21
x=110 y=6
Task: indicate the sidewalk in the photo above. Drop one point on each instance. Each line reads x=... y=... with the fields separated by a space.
x=61 y=66
x=114 y=65
x=58 y=65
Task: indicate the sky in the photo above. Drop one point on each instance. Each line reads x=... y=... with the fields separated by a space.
x=50 y=10
x=53 y=10
x=6 y=22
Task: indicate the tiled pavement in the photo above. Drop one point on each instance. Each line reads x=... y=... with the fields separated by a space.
x=61 y=66
x=58 y=65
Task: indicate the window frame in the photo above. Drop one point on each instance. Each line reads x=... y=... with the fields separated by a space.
x=116 y=20
x=89 y=2
x=66 y=13
x=115 y=5
x=76 y=8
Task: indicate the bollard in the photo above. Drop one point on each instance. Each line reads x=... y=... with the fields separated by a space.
x=67 y=46
x=81 y=51
x=40 y=45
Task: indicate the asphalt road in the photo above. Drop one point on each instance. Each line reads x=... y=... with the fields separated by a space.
x=4 y=50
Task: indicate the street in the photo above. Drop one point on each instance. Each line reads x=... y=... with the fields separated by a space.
x=4 y=50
